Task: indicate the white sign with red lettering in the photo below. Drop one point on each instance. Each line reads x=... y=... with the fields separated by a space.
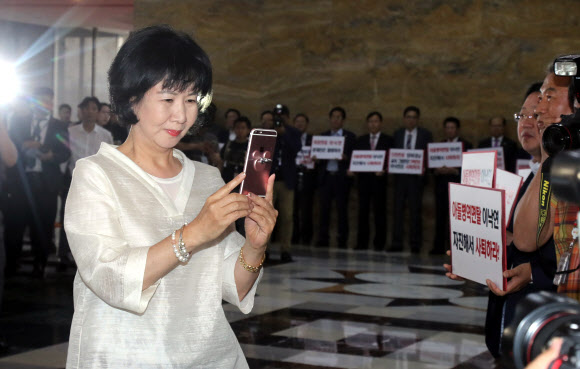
x=303 y=158
x=478 y=168
x=476 y=222
x=367 y=160
x=403 y=161
x=444 y=154
x=523 y=167
x=500 y=158
x=327 y=147
x=511 y=184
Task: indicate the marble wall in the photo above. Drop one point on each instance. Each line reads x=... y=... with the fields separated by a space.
x=467 y=58
x=472 y=59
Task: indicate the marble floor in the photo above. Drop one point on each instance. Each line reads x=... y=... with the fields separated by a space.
x=326 y=309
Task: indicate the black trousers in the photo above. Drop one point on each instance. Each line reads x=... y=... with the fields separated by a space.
x=408 y=195
x=441 y=242
x=303 y=201
x=38 y=203
x=334 y=187
x=372 y=189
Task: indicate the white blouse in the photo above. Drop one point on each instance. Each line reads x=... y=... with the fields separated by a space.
x=114 y=212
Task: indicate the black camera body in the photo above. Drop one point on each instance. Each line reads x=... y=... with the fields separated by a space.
x=562 y=136
x=279 y=111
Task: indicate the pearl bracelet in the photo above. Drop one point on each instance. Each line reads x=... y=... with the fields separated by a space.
x=180 y=252
x=248 y=267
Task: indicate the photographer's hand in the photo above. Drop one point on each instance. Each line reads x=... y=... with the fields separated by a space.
x=520 y=276
x=546 y=358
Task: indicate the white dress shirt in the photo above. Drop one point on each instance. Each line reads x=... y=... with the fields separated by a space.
x=332 y=165
x=83 y=143
x=413 y=134
x=42 y=122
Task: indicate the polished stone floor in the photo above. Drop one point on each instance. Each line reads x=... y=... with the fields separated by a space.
x=326 y=309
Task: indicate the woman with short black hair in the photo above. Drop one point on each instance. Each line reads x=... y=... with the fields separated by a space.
x=152 y=232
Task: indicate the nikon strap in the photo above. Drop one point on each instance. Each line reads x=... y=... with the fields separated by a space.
x=545 y=195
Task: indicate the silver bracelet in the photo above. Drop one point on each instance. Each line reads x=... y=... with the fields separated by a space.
x=178 y=254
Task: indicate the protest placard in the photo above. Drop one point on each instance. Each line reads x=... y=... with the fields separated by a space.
x=523 y=167
x=444 y=154
x=511 y=184
x=367 y=160
x=478 y=168
x=403 y=161
x=303 y=158
x=477 y=232
x=500 y=158
x=327 y=147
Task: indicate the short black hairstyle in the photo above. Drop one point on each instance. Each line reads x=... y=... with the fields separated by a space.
x=64 y=106
x=90 y=99
x=452 y=120
x=266 y=112
x=152 y=55
x=230 y=110
x=412 y=108
x=534 y=87
x=243 y=119
x=503 y=121
x=339 y=109
x=303 y=116
x=373 y=113
x=104 y=104
x=43 y=91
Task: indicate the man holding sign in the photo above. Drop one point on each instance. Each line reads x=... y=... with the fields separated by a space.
x=333 y=182
x=444 y=176
x=409 y=187
x=372 y=186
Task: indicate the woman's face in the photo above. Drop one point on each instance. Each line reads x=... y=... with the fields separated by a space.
x=165 y=115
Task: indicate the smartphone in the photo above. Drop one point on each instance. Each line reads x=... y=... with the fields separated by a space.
x=258 y=161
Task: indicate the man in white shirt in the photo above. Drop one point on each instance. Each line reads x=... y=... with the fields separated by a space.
x=85 y=140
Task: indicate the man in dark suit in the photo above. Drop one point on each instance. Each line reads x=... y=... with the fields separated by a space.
x=42 y=143
x=334 y=183
x=444 y=176
x=305 y=187
x=284 y=166
x=410 y=187
x=372 y=187
x=497 y=139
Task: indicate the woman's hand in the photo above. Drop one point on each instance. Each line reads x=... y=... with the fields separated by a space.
x=262 y=219
x=219 y=211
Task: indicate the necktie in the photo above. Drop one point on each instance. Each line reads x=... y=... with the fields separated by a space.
x=408 y=144
x=36 y=131
x=373 y=142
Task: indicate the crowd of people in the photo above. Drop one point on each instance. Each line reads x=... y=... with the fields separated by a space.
x=49 y=149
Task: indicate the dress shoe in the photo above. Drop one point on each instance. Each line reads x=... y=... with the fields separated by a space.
x=285 y=257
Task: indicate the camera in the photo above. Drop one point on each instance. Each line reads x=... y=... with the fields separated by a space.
x=538 y=318
x=280 y=110
x=565 y=135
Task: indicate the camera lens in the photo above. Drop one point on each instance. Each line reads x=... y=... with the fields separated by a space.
x=538 y=318
x=556 y=138
x=564 y=175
